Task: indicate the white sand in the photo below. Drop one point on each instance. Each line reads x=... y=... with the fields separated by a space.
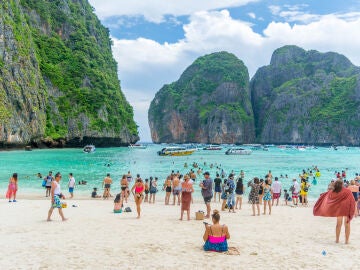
x=95 y=238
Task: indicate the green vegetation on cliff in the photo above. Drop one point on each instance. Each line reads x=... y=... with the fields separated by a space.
x=213 y=92
x=75 y=55
x=58 y=76
x=307 y=97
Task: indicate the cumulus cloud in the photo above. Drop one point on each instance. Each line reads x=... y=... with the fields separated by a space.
x=155 y=10
x=146 y=65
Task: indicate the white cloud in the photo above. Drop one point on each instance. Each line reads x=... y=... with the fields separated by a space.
x=146 y=65
x=155 y=10
x=252 y=15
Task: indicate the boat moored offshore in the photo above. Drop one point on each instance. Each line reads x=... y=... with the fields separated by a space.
x=176 y=151
x=238 y=151
x=89 y=148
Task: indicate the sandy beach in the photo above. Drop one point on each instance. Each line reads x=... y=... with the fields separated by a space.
x=96 y=238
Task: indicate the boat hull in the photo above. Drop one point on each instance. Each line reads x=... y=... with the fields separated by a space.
x=177 y=153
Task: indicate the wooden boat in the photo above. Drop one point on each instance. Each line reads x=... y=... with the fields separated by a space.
x=176 y=151
x=89 y=148
x=238 y=151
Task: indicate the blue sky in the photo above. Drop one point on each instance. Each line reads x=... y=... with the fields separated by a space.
x=155 y=40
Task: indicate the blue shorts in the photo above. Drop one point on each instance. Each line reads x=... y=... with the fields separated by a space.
x=71 y=189
x=217 y=189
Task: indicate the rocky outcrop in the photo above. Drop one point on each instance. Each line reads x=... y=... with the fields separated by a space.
x=302 y=97
x=307 y=97
x=210 y=103
x=58 y=79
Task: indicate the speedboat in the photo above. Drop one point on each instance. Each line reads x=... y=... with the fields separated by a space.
x=137 y=146
x=89 y=148
x=176 y=151
x=238 y=151
x=212 y=147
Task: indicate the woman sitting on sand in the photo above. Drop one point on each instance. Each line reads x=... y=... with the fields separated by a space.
x=216 y=235
x=139 y=189
x=186 y=190
x=12 y=188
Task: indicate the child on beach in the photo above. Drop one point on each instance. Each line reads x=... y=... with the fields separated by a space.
x=94 y=193
x=118 y=203
x=286 y=196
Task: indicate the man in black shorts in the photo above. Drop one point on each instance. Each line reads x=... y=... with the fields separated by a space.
x=207 y=192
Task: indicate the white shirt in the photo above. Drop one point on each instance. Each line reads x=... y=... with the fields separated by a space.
x=57 y=189
x=276 y=187
x=296 y=187
x=71 y=182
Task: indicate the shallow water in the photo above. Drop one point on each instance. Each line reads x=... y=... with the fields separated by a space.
x=93 y=167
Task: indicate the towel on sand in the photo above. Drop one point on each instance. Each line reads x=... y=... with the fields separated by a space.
x=332 y=204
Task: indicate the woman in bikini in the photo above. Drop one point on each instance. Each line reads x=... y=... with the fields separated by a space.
x=216 y=235
x=137 y=190
x=167 y=187
x=268 y=193
x=147 y=190
x=124 y=187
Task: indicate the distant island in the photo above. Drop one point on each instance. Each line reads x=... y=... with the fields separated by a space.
x=302 y=97
x=59 y=84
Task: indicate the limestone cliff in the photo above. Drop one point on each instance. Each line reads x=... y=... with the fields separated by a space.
x=210 y=103
x=307 y=97
x=58 y=79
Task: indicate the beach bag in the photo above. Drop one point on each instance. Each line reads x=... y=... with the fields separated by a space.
x=127 y=209
x=199 y=215
x=43 y=183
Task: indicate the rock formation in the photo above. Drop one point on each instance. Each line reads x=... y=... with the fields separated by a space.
x=302 y=97
x=210 y=103
x=307 y=97
x=58 y=79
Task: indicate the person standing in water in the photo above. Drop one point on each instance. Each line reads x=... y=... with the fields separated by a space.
x=55 y=197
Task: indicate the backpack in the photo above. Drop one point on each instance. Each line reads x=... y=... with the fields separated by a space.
x=292 y=188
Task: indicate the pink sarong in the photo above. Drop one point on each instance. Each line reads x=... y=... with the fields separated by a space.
x=332 y=204
x=11 y=190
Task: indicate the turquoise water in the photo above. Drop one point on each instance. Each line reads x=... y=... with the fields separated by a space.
x=92 y=167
